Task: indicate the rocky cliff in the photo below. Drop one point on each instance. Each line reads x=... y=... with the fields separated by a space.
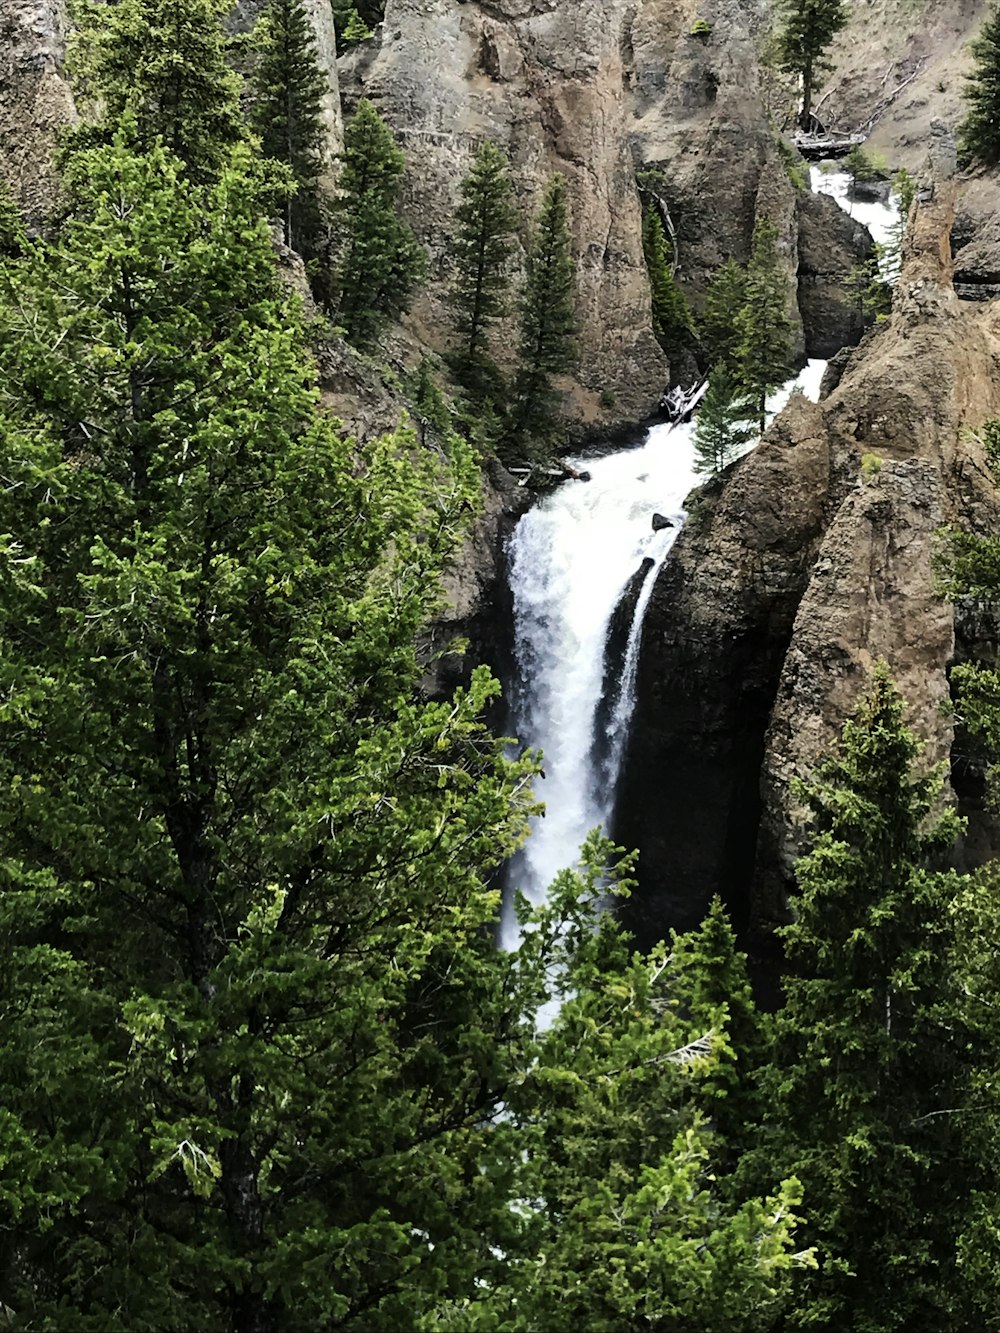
x=898 y=66
x=35 y=101
x=811 y=559
x=601 y=90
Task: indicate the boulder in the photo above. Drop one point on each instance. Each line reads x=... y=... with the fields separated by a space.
x=831 y=244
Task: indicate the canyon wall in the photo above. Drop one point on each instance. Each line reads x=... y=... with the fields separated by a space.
x=811 y=559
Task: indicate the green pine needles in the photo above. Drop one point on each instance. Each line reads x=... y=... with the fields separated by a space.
x=164 y=66
x=868 y=1070
x=808 y=28
x=764 y=346
x=381 y=261
x=482 y=249
x=13 y=236
x=979 y=132
x=746 y=333
x=548 y=322
x=289 y=89
x=724 y=424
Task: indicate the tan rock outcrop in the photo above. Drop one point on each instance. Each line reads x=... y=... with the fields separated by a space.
x=35 y=100
x=788 y=586
x=922 y=44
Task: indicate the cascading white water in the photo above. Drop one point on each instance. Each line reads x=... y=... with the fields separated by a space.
x=880 y=219
x=571 y=559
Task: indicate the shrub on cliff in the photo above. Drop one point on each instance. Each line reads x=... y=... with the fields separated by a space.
x=979 y=132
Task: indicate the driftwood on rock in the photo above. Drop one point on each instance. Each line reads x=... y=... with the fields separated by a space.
x=817 y=147
x=544 y=475
x=680 y=403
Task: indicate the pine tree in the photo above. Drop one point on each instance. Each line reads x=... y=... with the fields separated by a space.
x=718 y=326
x=289 y=88
x=629 y=1225
x=712 y=975
x=764 y=347
x=481 y=254
x=429 y=401
x=808 y=28
x=724 y=423
x=355 y=20
x=381 y=260
x=868 y=1053
x=548 y=323
x=671 y=317
x=979 y=132
x=13 y=236
x=255 y=1026
x=163 y=63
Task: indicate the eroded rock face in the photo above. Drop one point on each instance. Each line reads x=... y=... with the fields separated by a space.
x=871 y=595
x=35 y=100
x=805 y=569
x=898 y=66
x=715 y=638
x=831 y=246
x=545 y=82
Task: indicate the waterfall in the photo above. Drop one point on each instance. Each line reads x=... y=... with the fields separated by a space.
x=584 y=553
x=571 y=557
x=583 y=563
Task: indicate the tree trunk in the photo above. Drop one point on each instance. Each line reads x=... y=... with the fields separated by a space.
x=805 y=118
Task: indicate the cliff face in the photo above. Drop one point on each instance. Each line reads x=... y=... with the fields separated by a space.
x=35 y=101
x=600 y=90
x=898 y=66
x=795 y=576
x=545 y=82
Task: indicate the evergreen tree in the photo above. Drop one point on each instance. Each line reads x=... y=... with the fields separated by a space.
x=869 y=1058
x=724 y=423
x=979 y=132
x=13 y=236
x=764 y=347
x=481 y=255
x=624 y=1223
x=808 y=28
x=289 y=89
x=429 y=401
x=355 y=20
x=969 y=568
x=718 y=327
x=381 y=260
x=712 y=976
x=671 y=317
x=255 y=1027
x=548 y=323
x=163 y=63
